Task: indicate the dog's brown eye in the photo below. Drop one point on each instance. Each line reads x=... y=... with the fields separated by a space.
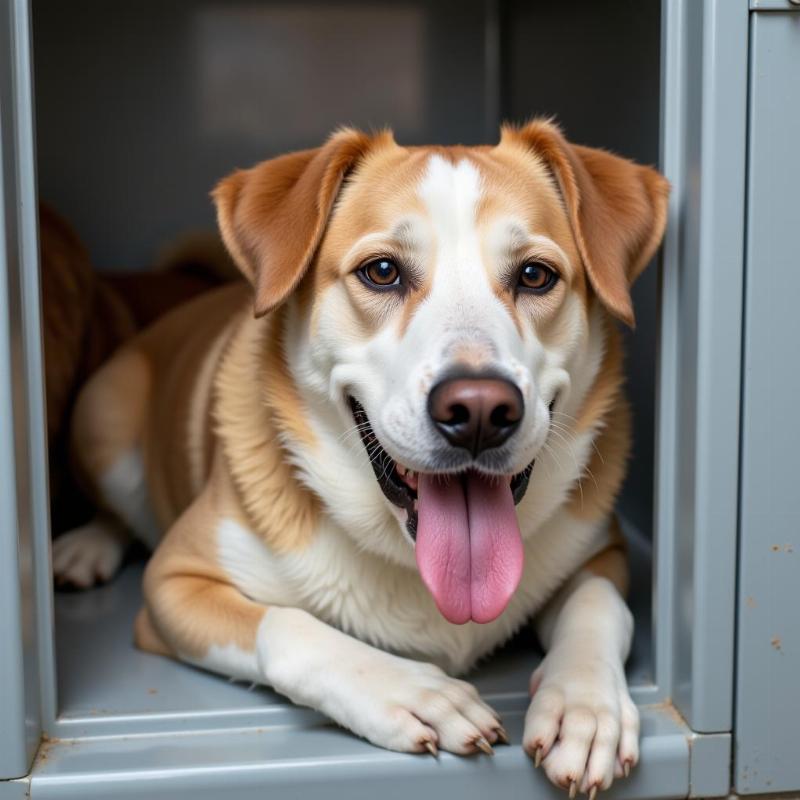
x=382 y=272
x=537 y=277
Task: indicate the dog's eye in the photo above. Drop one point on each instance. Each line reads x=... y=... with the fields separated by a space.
x=537 y=277
x=382 y=272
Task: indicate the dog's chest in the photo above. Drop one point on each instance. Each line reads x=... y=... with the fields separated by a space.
x=385 y=604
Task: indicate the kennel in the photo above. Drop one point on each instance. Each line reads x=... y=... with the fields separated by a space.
x=123 y=115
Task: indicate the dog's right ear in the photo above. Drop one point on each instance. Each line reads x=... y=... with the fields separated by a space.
x=272 y=216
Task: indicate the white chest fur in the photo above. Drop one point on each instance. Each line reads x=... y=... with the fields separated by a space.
x=386 y=604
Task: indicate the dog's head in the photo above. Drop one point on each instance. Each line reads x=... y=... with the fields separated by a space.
x=441 y=300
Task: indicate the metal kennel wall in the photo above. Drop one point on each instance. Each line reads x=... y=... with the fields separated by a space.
x=718 y=695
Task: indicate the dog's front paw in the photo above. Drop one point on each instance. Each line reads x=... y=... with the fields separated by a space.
x=412 y=707
x=581 y=724
x=407 y=705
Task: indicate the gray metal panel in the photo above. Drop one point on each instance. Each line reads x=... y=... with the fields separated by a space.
x=219 y=85
x=703 y=130
x=706 y=179
x=775 y=5
x=19 y=789
x=322 y=762
x=710 y=765
x=23 y=498
x=768 y=723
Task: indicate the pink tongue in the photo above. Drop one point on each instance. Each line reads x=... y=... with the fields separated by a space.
x=469 y=549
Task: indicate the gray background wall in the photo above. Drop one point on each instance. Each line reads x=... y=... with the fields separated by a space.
x=142 y=106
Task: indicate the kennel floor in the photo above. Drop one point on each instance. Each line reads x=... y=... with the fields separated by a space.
x=106 y=686
x=135 y=726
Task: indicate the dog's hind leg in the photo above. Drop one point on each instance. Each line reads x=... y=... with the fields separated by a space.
x=107 y=428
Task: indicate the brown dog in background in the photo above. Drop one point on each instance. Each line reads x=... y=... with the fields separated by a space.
x=86 y=315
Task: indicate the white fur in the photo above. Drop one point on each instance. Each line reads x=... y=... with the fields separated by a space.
x=581 y=716
x=399 y=703
x=124 y=488
x=93 y=553
x=90 y=554
x=254 y=569
x=394 y=702
x=230 y=660
x=386 y=604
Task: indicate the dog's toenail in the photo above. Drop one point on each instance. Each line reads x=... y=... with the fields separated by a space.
x=483 y=745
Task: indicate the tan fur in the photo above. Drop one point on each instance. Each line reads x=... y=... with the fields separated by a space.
x=273 y=217
x=608 y=386
x=177 y=347
x=596 y=492
x=200 y=433
x=146 y=637
x=617 y=210
x=606 y=410
x=395 y=174
x=190 y=602
x=111 y=411
x=256 y=403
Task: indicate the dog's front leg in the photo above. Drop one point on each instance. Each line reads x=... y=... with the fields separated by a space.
x=394 y=702
x=194 y=613
x=581 y=723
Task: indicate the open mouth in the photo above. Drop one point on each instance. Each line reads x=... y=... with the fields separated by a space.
x=467 y=539
x=400 y=485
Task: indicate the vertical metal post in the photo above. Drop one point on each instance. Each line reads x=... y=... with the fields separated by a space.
x=768 y=657
x=704 y=137
x=23 y=476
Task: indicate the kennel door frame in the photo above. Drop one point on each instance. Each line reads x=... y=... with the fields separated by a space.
x=24 y=516
x=767 y=724
x=704 y=116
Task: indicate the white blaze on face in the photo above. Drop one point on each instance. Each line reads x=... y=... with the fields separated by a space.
x=460 y=319
x=461 y=301
x=451 y=193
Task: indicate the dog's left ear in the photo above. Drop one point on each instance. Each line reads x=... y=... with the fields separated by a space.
x=617 y=210
x=272 y=216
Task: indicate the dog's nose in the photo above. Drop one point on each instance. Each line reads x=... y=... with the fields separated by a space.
x=476 y=413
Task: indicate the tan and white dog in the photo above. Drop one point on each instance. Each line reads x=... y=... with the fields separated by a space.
x=411 y=449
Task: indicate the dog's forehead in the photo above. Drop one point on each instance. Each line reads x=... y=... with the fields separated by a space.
x=450 y=192
x=433 y=199
x=456 y=187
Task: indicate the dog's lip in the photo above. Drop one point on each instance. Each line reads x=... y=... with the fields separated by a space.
x=398 y=482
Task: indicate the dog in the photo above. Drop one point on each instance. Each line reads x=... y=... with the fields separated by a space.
x=409 y=450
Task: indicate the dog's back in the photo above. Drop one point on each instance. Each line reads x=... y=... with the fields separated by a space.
x=141 y=431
